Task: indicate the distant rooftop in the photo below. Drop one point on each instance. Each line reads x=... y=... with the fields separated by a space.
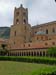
x=40 y=33
x=44 y=24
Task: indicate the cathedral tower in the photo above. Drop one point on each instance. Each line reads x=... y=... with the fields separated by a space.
x=20 y=30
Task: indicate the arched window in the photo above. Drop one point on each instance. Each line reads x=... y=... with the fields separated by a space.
x=41 y=37
x=46 y=43
x=53 y=30
x=15 y=33
x=24 y=21
x=17 y=21
x=46 y=31
x=29 y=45
x=24 y=45
x=17 y=13
x=37 y=38
x=53 y=43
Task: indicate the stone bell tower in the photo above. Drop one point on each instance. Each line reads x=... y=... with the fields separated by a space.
x=20 y=15
x=20 y=30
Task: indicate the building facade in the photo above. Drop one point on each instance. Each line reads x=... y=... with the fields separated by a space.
x=26 y=40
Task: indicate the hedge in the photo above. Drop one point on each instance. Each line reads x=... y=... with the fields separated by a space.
x=43 y=60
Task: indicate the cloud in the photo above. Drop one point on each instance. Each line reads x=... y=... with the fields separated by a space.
x=7 y=11
x=40 y=11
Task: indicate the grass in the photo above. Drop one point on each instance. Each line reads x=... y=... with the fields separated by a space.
x=22 y=68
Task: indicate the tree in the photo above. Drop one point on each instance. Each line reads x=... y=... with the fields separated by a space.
x=52 y=51
x=3 y=51
x=3 y=46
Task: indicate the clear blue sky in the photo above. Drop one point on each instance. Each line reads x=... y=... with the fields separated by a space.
x=40 y=11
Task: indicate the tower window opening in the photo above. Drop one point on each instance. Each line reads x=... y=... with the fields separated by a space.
x=17 y=13
x=15 y=33
x=17 y=21
x=24 y=21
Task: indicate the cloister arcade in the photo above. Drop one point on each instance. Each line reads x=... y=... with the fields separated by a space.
x=38 y=52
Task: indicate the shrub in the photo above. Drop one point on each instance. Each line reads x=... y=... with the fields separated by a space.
x=43 y=60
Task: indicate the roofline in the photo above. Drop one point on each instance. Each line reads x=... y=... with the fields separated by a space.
x=29 y=49
x=44 y=24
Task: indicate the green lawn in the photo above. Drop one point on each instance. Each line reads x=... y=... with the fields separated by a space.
x=21 y=68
